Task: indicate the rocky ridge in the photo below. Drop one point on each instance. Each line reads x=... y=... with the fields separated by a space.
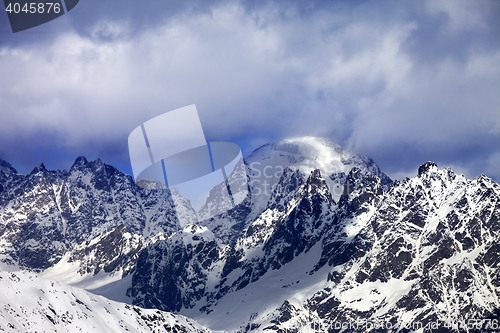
x=422 y=252
x=328 y=240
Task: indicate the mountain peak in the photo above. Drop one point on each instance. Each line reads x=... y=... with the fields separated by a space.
x=305 y=145
x=309 y=153
x=317 y=184
x=427 y=167
x=266 y=164
x=315 y=179
x=6 y=167
x=38 y=169
x=81 y=160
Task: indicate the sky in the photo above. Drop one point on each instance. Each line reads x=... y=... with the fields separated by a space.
x=403 y=82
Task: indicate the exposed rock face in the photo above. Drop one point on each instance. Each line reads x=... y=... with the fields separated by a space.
x=374 y=255
x=117 y=249
x=295 y=159
x=423 y=252
x=47 y=214
x=173 y=273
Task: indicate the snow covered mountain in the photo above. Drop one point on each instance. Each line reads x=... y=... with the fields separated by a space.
x=92 y=218
x=323 y=240
x=422 y=253
x=306 y=154
x=29 y=303
x=265 y=168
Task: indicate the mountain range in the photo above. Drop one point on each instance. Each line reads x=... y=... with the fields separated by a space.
x=323 y=242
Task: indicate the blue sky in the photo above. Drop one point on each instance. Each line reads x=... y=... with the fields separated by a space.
x=403 y=82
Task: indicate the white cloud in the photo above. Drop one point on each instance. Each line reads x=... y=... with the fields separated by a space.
x=493 y=166
x=462 y=15
x=270 y=72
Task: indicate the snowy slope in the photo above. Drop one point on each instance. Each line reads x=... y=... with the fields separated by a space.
x=31 y=304
x=100 y=261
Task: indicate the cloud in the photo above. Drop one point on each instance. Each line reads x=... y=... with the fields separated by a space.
x=460 y=15
x=375 y=77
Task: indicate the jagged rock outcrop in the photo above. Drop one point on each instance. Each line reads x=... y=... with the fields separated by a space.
x=47 y=214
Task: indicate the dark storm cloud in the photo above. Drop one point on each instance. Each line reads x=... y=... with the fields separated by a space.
x=402 y=82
